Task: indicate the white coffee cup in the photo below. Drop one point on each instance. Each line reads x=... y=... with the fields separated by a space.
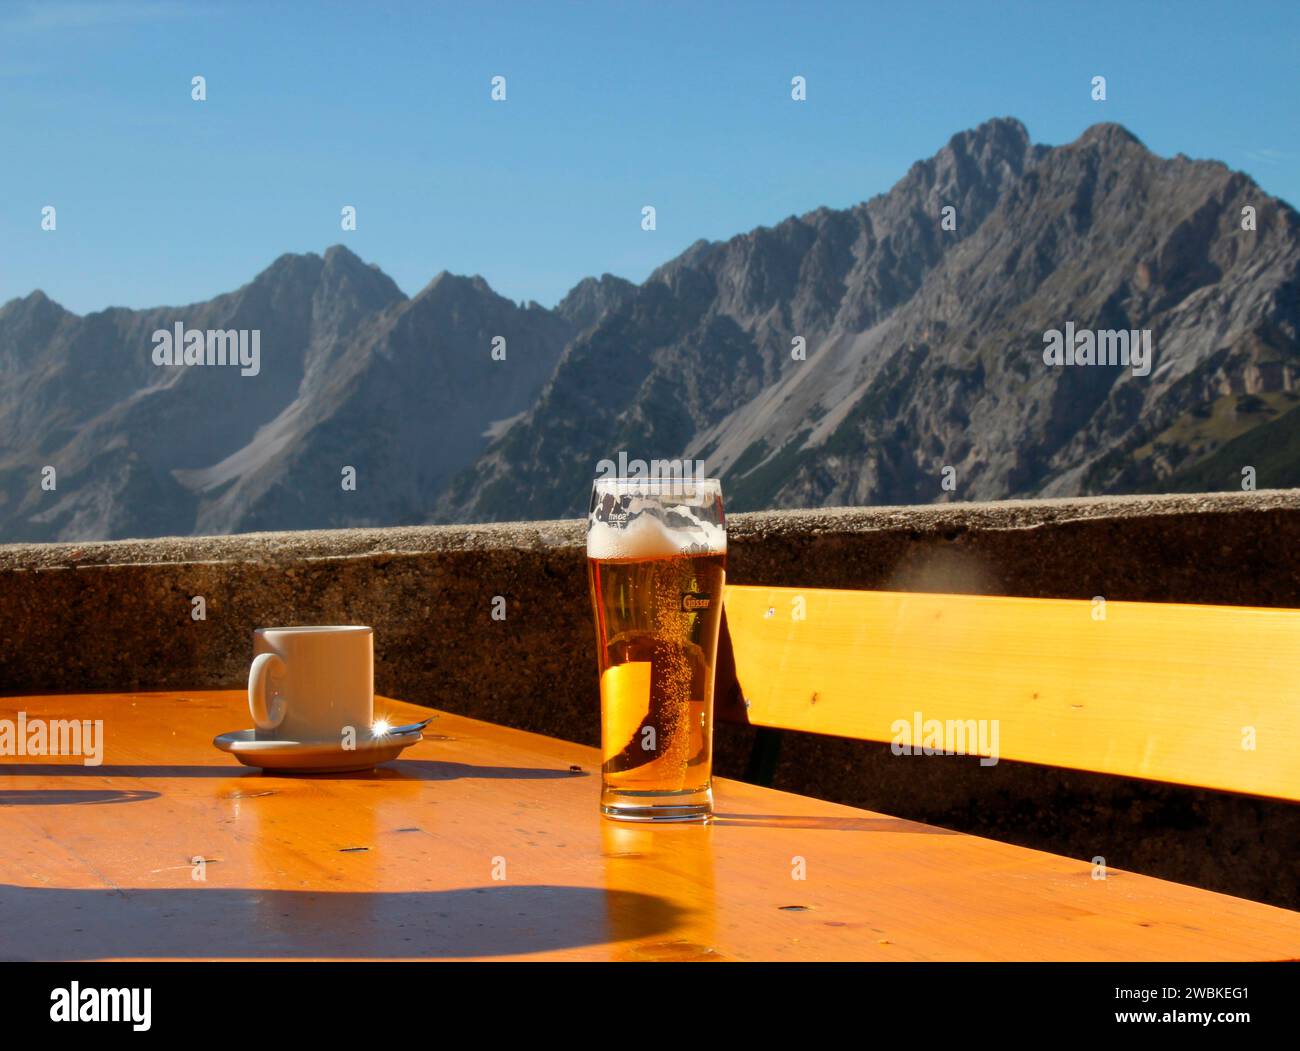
x=312 y=683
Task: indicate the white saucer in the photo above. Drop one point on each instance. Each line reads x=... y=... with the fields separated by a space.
x=314 y=757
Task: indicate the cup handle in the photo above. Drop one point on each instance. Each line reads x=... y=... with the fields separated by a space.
x=264 y=666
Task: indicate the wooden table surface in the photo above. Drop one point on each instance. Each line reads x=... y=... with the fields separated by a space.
x=481 y=842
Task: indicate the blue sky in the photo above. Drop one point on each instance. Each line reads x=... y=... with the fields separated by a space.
x=685 y=106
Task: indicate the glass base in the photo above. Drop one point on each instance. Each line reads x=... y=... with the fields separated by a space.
x=693 y=805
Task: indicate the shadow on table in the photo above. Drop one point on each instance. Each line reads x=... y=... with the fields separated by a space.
x=403 y=769
x=435 y=770
x=217 y=922
x=70 y=796
x=842 y=824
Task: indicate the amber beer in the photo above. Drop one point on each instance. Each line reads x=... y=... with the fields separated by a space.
x=656 y=565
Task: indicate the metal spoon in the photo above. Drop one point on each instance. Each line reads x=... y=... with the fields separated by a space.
x=396 y=731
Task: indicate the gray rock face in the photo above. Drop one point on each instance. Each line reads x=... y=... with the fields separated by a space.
x=592 y=298
x=353 y=374
x=921 y=331
x=925 y=345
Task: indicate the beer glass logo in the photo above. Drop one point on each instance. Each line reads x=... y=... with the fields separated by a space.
x=693 y=601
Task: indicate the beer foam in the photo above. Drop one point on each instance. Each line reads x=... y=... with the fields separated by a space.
x=645 y=536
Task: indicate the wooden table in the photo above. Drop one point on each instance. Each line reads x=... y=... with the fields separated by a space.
x=482 y=842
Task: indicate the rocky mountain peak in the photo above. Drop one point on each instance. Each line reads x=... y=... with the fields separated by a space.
x=592 y=298
x=300 y=269
x=1002 y=138
x=449 y=287
x=36 y=304
x=345 y=277
x=1108 y=135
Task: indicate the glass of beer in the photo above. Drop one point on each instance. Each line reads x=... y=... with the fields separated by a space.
x=656 y=562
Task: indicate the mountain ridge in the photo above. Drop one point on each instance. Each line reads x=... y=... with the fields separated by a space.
x=923 y=352
x=898 y=390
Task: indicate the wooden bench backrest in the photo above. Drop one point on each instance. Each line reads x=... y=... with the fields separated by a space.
x=1196 y=695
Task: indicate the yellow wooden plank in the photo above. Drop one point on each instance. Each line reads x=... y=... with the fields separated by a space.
x=1199 y=695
